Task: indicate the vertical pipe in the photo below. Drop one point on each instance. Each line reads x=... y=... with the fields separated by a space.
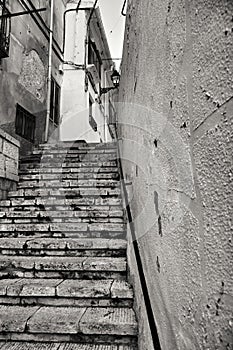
x=49 y=71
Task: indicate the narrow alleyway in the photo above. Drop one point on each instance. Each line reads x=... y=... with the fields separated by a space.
x=63 y=265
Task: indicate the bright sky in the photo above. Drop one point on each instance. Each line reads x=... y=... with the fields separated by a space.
x=114 y=24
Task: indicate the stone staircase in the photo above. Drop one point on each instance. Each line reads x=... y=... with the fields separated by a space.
x=63 y=266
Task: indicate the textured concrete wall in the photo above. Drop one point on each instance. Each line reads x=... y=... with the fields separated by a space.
x=9 y=160
x=175 y=123
x=23 y=75
x=78 y=88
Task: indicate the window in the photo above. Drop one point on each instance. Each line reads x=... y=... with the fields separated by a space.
x=92 y=121
x=5 y=28
x=94 y=56
x=25 y=123
x=55 y=102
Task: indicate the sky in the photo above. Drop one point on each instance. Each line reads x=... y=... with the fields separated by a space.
x=114 y=24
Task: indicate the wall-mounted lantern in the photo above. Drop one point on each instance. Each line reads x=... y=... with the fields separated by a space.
x=115 y=77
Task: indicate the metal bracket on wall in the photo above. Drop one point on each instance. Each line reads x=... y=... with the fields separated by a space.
x=123 y=9
x=22 y=13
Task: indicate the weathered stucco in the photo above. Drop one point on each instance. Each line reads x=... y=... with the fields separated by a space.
x=175 y=124
x=9 y=161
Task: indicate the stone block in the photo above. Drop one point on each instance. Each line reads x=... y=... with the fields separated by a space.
x=10 y=150
x=2 y=163
x=56 y=320
x=14 y=318
x=11 y=165
x=59 y=264
x=121 y=289
x=104 y=264
x=33 y=288
x=120 y=321
x=85 y=288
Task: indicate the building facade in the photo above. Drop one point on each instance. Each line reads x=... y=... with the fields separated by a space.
x=24 y=69
x=86 y=111
x=175 y=125
x=25 y=104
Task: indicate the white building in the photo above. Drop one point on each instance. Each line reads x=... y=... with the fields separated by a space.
x=85 y=111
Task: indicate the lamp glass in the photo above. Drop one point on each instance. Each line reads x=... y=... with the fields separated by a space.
x=115 y=78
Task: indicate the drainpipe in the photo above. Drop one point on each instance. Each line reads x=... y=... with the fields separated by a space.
x=87 y=34
x=49 y=71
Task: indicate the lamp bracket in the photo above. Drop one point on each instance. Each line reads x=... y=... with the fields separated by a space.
x=107 y=89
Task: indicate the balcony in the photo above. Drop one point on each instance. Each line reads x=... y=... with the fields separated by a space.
x=5 y=27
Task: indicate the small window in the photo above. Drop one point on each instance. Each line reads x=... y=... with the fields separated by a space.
x=94 y=56
x=92 y=121
x=25 y=123
x=5 y=28
x=55 y=102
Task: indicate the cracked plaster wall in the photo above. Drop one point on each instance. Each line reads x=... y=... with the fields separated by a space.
x=175 y=126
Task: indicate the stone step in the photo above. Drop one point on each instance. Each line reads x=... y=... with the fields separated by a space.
x=71 y=176
x=69 y=158
x=68 y=151
x=67 y=165
x=65 y=228
x=69 y=214
x=68 y=202
x=35 y=206
x=76 y=220
x=70 y=170
x=77 y=144
x=80 y=247
x=63 y=267
x=69 y=183
x=61 y=346
x=60 y=292
x=76 y=147
x=60 y=220
x=67 y=192
x=65 y=324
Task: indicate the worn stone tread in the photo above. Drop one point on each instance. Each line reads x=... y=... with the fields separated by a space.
x=64 y=192
x=62 y=243
x=60 y=214
x=61 y=346
x=65 y=164
x=30 y=346
x=120 y=321
x=71 y=169
x=27 y=287
x=62 y=227
x=65 y=320
x=14 y=318
x=63 y=263
x=104 y=321
x=70 y=176
x=15 y=203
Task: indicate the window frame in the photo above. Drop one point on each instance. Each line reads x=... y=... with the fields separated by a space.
x=94 y=57
x=25 y=123
x=55 y=102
